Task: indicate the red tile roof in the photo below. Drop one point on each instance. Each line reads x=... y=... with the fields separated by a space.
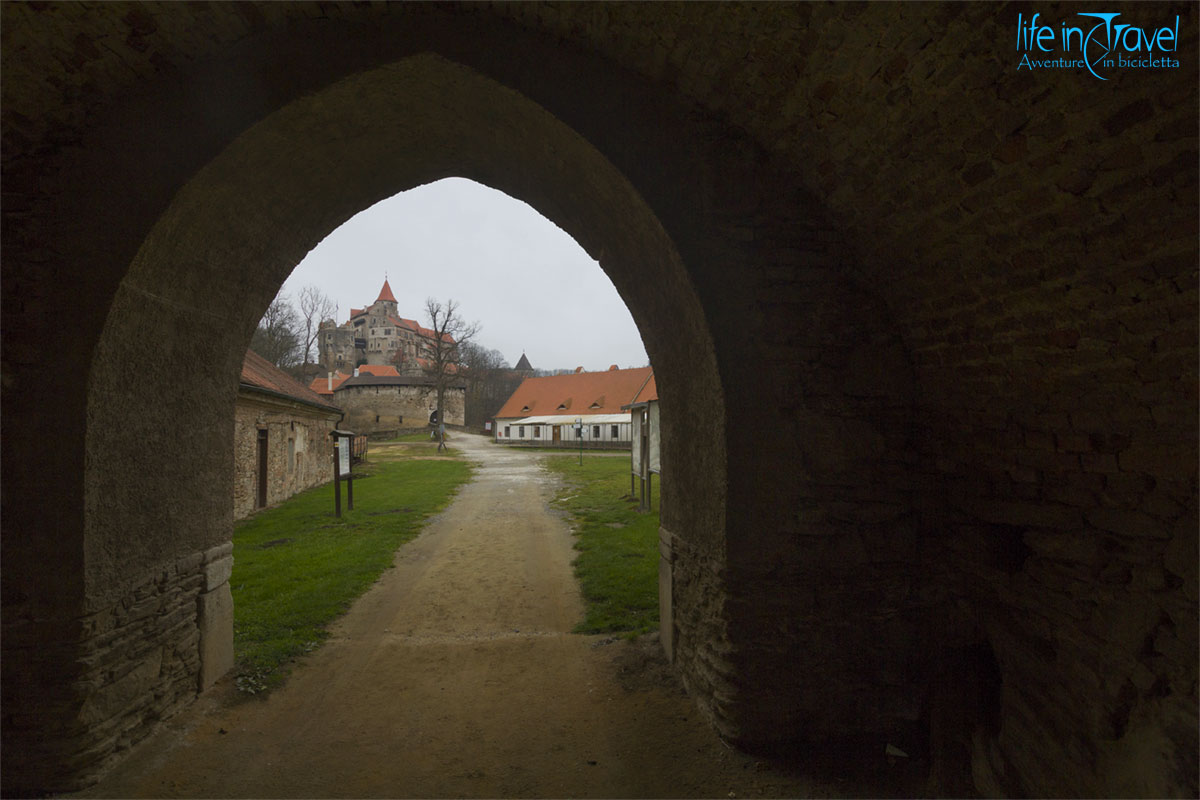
x=259 y=373
x=321 y=385
x=648 y=393
x=378 y=369
x=577 y=392
x=386 y=293
x=413 y=325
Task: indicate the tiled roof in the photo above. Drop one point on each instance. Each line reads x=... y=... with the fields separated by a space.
x=258 y=373
x=648 y=393
x=321 y=385
x=413 y=325
x=378 y=369
x=386 y=293
x=365 y=379
x=576 y=393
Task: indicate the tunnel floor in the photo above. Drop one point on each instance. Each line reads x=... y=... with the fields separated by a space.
x=456 y=675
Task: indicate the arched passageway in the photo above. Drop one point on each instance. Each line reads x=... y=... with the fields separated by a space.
x=914 y=462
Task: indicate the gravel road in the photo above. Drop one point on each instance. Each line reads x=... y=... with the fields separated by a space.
x=456 y=675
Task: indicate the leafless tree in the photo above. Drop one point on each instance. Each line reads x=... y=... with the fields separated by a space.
x=277 y=337
x=449 y=334
x=480 y=369
x=490 y=382
x=315 y=307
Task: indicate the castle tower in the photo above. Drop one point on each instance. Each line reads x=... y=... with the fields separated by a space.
x=387 y=298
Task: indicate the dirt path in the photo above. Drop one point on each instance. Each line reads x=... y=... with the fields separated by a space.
x=456 y=676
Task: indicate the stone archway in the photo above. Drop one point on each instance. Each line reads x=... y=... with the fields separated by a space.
x=193 y=294
x=951 y=416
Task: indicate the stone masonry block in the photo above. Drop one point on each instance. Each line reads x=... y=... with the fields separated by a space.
x=1127 y=522
x=216 y=634
x=217 y=572
x=218 y=552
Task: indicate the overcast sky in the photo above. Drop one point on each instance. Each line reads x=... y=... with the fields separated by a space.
x=527 y=283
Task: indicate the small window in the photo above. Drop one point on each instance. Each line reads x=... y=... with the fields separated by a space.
x=508 y=431
x=521 y=431
x=616 y=432
x=595 y=431
x=537 y=431
x=291 y=455
x=400 y=420
x=377 y=418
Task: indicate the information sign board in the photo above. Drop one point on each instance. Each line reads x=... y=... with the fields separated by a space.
x=343 y=456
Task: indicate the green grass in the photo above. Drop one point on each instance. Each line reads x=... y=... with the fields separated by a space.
x=297 y=566
x=617 y=565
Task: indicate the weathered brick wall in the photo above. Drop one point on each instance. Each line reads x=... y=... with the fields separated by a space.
x=289 y=470
x=379 y=408
x=131 y=664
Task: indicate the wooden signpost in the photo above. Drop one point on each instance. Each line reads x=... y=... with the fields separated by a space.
x=341 y=469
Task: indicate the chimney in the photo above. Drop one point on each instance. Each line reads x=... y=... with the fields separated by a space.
x=356 y=372
x=331 y=381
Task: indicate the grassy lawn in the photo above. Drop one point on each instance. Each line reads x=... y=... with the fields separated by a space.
x=297 y=566
x=617 y=565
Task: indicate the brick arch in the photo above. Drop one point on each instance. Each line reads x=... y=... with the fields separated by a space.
x=671 y=201
x=960 y=405
x=186 y=306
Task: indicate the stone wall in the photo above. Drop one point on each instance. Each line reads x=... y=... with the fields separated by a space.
x=933 y=317
x=299 y=448
x=383 y=407
x=138 y=661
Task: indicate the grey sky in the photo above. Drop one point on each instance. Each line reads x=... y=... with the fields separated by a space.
x=527 y=283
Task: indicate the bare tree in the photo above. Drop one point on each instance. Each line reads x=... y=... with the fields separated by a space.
x=449 y=334
x=315 y=307
x=277 y=337
x=490 y=382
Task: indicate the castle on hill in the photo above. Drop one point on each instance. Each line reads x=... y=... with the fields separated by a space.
x=376 y=334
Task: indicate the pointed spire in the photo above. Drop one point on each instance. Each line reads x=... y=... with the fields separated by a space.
x=386 y=292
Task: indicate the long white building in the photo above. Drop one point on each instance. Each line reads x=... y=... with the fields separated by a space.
x=561 y=410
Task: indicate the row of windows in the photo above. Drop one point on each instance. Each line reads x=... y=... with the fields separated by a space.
x=537 y=431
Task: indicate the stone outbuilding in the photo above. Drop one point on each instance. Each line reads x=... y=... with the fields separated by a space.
x=281 y=437
x=380 y=402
